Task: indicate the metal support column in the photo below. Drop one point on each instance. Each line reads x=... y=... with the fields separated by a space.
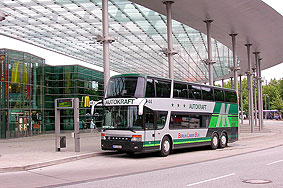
x=170 y=51
x=250 y=88
x=241 y=101
x=235 y=68
x=209 y=61
x=76 y=125
x=57 y=129
x=231 y=82
x=222 y=82
x=106 y=39
x=255 y=100
x=258 y=90
x=260 y=106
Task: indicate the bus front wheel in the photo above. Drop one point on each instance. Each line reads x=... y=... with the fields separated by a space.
x=214 y=141
x=165 y=147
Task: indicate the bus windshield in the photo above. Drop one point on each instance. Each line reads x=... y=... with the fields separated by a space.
x=126 y=87
x=122 y=117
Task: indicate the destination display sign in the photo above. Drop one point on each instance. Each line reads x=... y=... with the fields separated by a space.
x=122 y=101
x=64 y=103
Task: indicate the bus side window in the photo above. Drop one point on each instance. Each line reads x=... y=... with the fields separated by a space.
x=194 y=92
x=180 y=90
x=219 y=95
x=150 y=91
x=163 y=88
x=188 y=121
x=204 y=121
x=230 y=96
x=149 y=119
x=161 y=119
x=207 y=93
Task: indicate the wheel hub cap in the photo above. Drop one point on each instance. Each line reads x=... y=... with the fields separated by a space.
x=166 y=146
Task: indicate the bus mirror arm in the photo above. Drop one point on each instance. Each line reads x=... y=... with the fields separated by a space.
x=142 y=103
x=93 y=104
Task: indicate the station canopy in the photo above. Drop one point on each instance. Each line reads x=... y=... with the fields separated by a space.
x=71 y=27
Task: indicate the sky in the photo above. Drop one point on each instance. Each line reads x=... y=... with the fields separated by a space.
x=53 y=58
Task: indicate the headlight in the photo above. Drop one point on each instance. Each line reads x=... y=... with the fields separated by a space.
x=136 y=138
x=103 y=137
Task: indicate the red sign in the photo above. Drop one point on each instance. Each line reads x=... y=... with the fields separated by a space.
x=2 y=67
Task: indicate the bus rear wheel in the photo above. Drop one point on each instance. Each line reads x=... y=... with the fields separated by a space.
x=165 y=147
x=214 y=141
x=223 y=141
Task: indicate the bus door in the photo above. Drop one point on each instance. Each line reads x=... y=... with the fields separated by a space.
x=149 y=133
x=160 y=121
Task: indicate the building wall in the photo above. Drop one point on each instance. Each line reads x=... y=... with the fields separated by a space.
x=21 y=94
x=71 y=82
x=28 y=88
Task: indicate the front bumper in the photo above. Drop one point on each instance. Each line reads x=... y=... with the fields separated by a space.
x=120 y=145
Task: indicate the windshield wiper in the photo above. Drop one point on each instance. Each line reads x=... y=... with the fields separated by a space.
x=131 y=129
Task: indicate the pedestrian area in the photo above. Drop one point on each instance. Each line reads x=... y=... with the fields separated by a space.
x=39 y=151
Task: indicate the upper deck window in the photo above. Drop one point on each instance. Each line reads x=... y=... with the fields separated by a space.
x=163 y=88
x=219 y=95
x=207 y=93
x=194 y=92
x=150 y=91
x=180 y=90
x=126 y=87
x=230 y=96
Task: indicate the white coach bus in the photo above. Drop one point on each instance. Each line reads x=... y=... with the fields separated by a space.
x=143 y=113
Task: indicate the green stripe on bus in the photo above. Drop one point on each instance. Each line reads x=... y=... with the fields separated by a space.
x=151 y=143
x=191 y=140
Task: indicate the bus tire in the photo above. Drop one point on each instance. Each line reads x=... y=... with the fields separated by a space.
x=130 y=153
x=223 y=141
x=214 y=141
x=165 y=147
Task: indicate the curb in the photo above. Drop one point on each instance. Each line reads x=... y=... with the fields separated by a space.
x=48 y=163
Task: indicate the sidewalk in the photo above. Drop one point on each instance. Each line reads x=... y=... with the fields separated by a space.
x=39 y=151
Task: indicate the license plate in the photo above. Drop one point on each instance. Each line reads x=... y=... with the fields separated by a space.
x=117 y=146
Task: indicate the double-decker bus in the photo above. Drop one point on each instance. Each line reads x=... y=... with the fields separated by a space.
x=144 y=113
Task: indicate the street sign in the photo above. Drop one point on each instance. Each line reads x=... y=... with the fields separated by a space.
x=66 y=103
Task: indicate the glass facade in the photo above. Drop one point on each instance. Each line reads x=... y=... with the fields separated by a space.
x=69 y=27
x=72 y=82
x=29 y=87
x=21 y=94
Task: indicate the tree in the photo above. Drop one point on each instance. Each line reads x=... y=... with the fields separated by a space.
x=277 y=102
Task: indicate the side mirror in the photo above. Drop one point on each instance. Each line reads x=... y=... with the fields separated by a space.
x=93 y=104
x=141 y=105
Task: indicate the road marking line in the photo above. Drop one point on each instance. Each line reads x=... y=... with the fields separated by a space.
x=275 y=162
x=211 y=179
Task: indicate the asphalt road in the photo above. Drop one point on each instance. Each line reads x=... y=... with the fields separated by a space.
x=263 y=168
x=246 y=159
x=199 y=167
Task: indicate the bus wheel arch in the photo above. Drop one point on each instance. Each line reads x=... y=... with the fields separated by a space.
x=223 y=140
x=214 y=140
x=166 y=146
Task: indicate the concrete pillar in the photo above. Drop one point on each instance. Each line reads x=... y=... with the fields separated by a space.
x=241 y=100
x=209 y=61
x=235 y=68
x=250 y=88
x=170 y=51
